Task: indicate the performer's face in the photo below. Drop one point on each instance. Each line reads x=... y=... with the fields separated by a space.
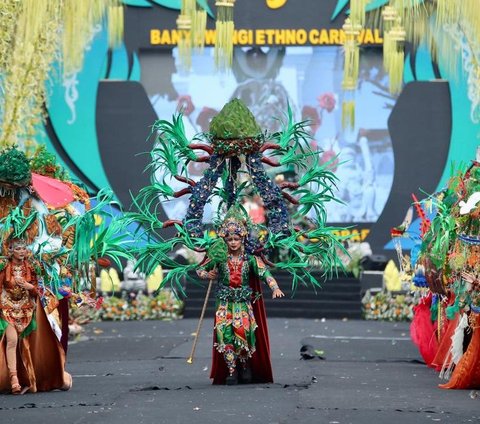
x=234 y=242
x=19 y=252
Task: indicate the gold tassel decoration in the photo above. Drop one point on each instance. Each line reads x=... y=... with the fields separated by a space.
x=448 y=11
x=357 y=11
x=350 y=70
x=79 y=21
x=33 y=49
x=115 y=26
x=449 y=27
x=10 y=13
x=396 y=70
x=396 y=57
x=184 y=26
x=199 y=27
x=191 y=24
x=33 y=35
x=348 y=114
x=351 y=65
x=389 y=15
x=224 y=28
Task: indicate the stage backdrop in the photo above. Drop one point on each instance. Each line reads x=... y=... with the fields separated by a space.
x=287 y=52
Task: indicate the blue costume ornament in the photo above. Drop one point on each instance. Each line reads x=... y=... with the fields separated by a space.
x=235 y=150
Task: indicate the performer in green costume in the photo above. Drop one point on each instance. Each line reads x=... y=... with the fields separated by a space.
x=235 y=149
x=235 y=322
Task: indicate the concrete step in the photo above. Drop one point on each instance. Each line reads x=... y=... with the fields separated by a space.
x=292 y=312
x=337 y=298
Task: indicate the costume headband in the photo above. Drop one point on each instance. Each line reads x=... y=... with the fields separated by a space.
x=16 y=243
x=232 y=226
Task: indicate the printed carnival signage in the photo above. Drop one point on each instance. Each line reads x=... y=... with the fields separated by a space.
x=267 y=23
x=272 y=37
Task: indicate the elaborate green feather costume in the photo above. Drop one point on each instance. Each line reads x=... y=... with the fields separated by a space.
x=235 y=150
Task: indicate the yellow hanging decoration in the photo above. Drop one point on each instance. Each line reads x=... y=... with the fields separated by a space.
x=358 y=11
x=224 y=28
x=350 y=70
x=348 y=114
x=33 y=49
x=447 y=11
x=10 y=12
x=32 y=36
x=115 y=25
x=448 y=29
x=199 y=26
x=389 y=15
x=191 y=23
x=394 y=56
x=80 y=19
x=184 y=26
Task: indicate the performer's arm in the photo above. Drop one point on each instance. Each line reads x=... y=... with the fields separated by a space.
x=265 y=275
x=207 y=271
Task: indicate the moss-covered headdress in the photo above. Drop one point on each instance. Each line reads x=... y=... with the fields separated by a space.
x=14 y=168
x=234 y=130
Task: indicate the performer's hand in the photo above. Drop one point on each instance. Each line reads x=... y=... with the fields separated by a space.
x=277 y=293
x=22 y=283
x=470 y=278
x=212 y=275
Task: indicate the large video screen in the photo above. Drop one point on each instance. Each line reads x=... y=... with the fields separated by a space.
x=267 y=80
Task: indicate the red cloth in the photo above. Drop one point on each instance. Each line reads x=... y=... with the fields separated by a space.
x=445 y=344
x=235 y=274
x=54 y=193
x=422 y=331
x=260 y=360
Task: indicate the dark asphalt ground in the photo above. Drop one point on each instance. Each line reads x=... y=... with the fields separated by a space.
x=136 y=372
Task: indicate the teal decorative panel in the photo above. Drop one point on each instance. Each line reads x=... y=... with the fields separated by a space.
x=72 y=110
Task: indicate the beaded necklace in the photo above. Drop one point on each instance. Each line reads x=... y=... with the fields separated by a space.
x=236 y=262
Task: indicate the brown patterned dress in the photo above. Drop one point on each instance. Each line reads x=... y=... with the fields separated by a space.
x=17 y=304
x=40 y=356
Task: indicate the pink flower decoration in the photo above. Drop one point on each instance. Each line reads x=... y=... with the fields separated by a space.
x=327 y=101
x=185 y=104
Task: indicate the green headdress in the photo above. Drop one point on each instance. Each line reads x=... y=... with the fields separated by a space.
x=234 y=130
x=14 y=168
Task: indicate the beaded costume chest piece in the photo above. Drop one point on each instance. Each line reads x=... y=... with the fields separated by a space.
x=16 y=304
